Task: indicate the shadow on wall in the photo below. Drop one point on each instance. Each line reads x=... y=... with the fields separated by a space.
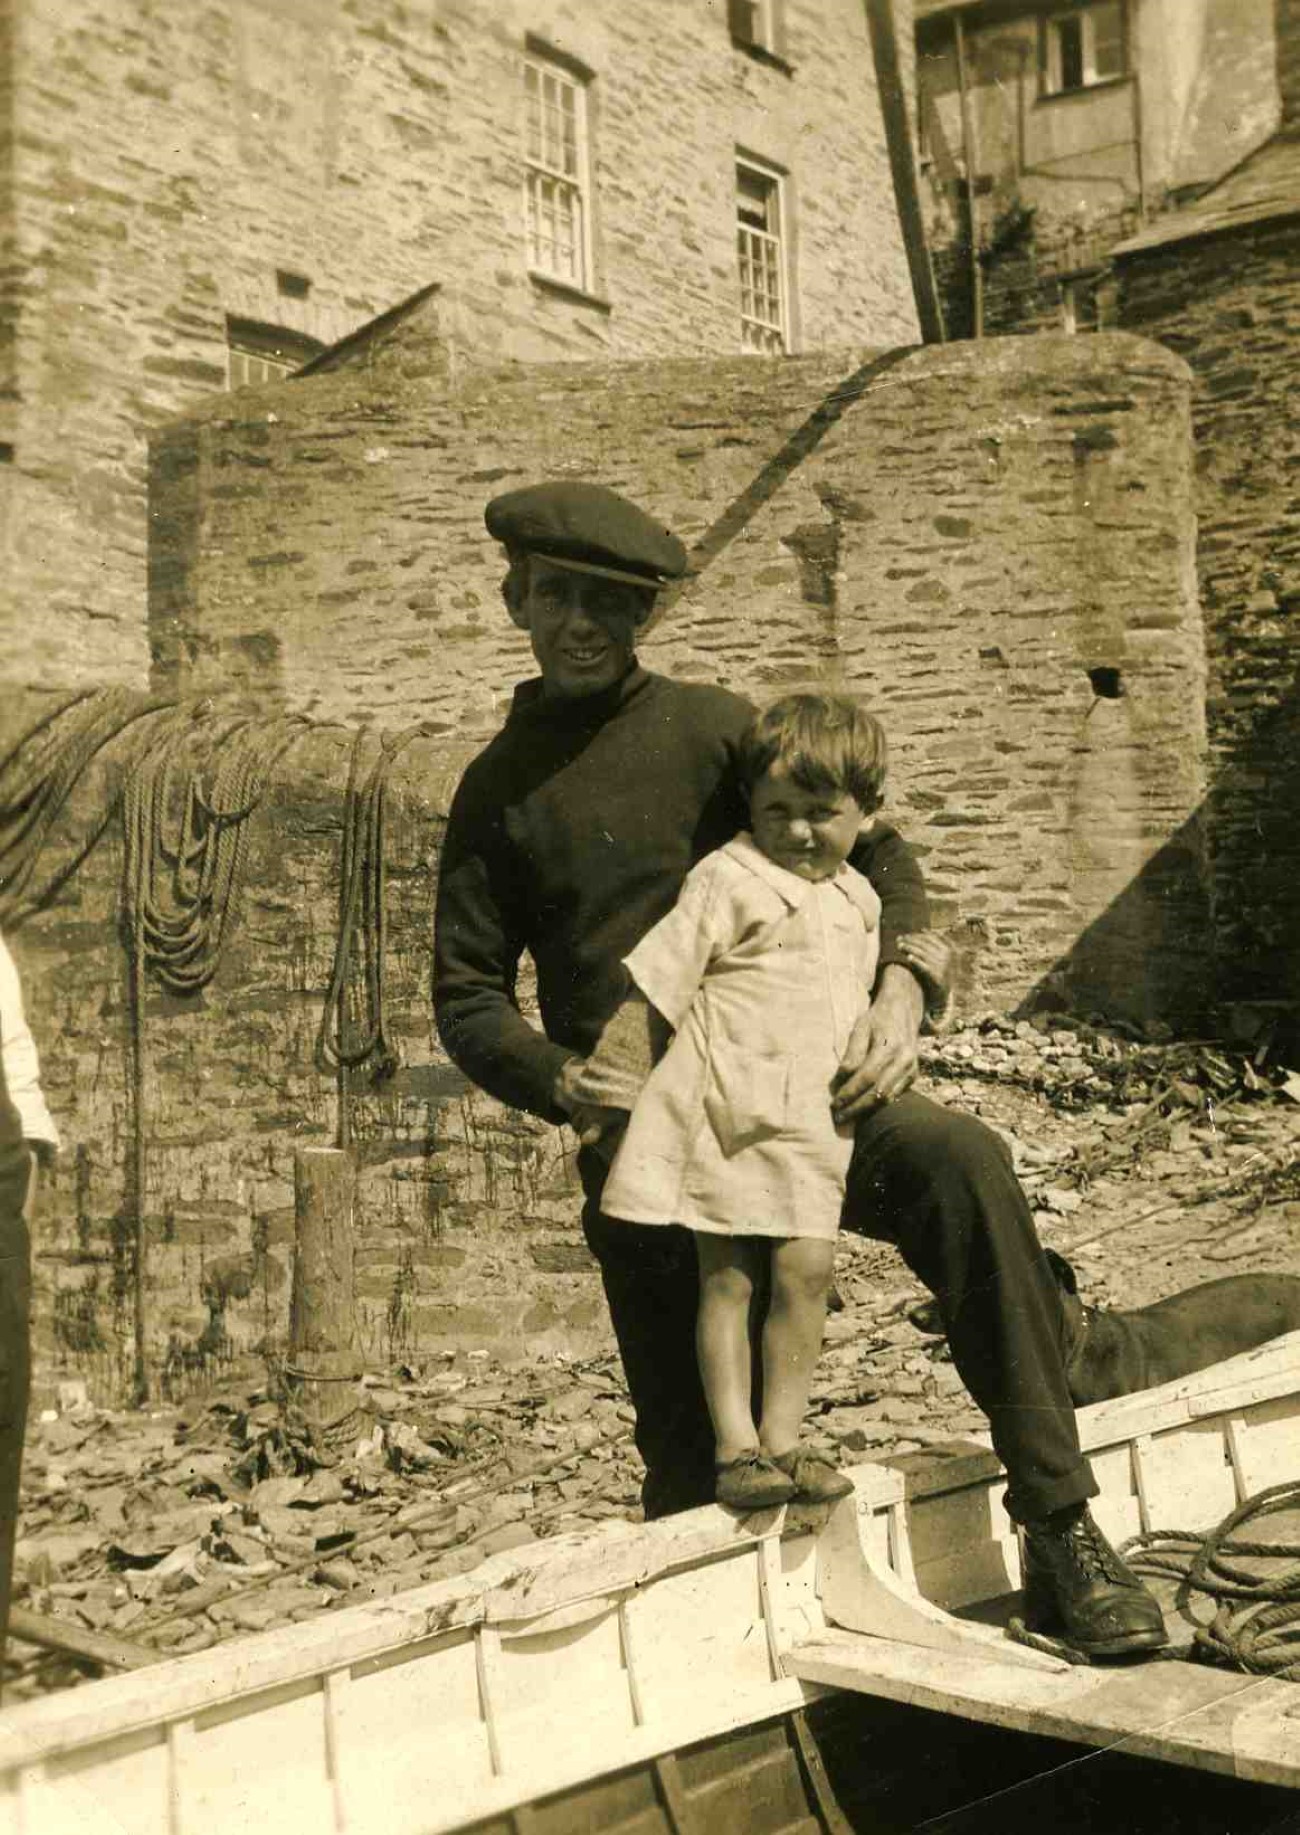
x=1220 y=901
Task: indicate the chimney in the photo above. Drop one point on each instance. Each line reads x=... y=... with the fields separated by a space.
x=1286 y=25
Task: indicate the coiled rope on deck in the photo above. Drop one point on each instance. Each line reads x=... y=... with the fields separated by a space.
x=1256 y=1626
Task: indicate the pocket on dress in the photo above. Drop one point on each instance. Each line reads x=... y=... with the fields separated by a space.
x=747 y=1103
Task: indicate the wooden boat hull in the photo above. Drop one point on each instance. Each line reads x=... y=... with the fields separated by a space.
x=609 y=1652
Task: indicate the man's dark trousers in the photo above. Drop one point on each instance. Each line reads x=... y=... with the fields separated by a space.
x=940 y=1186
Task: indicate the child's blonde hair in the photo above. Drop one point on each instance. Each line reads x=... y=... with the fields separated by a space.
x=824 y=741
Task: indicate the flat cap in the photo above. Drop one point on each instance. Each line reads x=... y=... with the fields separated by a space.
x=587 y=528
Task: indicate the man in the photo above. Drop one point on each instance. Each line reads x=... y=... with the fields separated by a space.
x=569 y=836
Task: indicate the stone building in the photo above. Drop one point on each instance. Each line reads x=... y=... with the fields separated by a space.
x=1049 y=129
x=1219 y=282
x=199 y=196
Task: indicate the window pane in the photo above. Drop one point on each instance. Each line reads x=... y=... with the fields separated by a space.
x=758 y=255
x=554 y=185
x=1107 y=26
x=247 y=367
x=1069 y=52
x=755 y=195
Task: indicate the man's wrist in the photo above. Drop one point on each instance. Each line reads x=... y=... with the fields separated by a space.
x=563 y=1094
x=897 y=986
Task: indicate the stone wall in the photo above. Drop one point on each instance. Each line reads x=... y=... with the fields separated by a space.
x=1036 y=275
x=1287 y=29
x=172 y=165
x=465 y=1210
x=922 y=526
x=993 y=544
x=1230 y=304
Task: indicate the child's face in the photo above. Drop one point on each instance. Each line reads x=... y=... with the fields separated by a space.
x=808 y=832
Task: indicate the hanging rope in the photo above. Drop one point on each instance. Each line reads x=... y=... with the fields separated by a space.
x=348 y=1043
x=1256 y=1626
x=39 y=774
x=180 y=884
x=185 y=802
x=182 y=871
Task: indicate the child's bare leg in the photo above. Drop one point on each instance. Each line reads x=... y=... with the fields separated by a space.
x=792 y=1336
x=727 y=1267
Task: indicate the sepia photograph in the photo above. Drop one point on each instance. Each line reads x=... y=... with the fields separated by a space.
x=633 y=626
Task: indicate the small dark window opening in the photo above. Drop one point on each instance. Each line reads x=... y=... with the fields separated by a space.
x=744 y=21
x=258 y=353
x=1070 y=33
x=1106 y=683
x=290 y=285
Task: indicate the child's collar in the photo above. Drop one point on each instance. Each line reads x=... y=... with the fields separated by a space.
x=792 y=888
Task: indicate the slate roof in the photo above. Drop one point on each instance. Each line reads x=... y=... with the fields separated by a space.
x=1264 y=186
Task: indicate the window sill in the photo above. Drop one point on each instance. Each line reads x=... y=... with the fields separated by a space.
x=1084 y=89
x=565 y=289
x=761 y=55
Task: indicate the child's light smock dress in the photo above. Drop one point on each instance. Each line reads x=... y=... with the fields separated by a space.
x=762 y=974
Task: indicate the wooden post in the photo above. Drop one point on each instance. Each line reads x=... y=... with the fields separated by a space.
x=970 y=160
x=323 y=1364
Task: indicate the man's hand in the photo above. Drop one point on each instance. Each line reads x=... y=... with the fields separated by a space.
x=880 y=1060
x=589 y=1120
x=930 y=955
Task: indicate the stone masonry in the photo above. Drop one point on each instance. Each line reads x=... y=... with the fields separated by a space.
x=308 y=164
x=1229 y=303
x=994 y=544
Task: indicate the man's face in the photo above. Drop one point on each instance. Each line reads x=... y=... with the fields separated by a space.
x=808 y=832
x=582 y=628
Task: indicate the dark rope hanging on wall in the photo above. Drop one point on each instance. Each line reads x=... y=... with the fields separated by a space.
x=37 y=777
x=348 y=1043
x=181 y=875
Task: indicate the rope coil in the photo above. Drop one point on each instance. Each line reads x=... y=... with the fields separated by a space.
x=37 y=777
x=344 y=1045
x=1256 y=1625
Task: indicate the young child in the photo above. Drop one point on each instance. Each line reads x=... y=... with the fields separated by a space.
x=761 y=969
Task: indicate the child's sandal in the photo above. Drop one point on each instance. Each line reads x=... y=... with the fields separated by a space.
x=814 y=1478
x=752 y=1482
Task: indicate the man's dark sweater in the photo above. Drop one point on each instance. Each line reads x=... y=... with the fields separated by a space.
x=569 y=836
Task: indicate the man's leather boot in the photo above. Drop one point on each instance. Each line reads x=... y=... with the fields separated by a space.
x=1077 y=1589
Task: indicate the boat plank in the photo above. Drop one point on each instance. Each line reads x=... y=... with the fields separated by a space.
x=1243 y=1726
x=1258 y=1375
x=592 y=1569
x=860 y=1594
x=506 y=1591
